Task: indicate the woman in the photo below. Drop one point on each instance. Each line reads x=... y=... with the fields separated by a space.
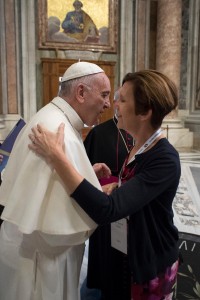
x=144 y=236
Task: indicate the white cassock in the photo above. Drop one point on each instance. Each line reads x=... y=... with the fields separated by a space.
x=42 y=237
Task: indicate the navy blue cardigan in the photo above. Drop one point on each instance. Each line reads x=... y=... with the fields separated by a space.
x=147 y=200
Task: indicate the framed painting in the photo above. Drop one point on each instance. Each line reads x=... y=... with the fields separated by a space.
x=78 y=25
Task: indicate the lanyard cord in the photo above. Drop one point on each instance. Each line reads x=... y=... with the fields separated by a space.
x=148 y=143
x=114 y=120
x=141 y=150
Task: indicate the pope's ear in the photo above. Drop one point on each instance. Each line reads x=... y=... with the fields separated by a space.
x=80 y=93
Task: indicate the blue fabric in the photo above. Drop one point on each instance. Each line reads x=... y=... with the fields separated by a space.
x=89 y=294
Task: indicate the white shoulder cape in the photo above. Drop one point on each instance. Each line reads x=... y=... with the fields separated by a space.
x=34 y=197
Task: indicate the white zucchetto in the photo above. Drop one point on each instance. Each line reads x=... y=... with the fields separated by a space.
x=81 y=69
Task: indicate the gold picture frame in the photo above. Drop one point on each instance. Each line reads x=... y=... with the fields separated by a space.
x=78 y=25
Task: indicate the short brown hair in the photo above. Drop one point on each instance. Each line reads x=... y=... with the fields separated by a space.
x=153 y=90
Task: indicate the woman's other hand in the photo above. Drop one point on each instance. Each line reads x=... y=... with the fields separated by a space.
x=101 y=170
x=108 y=188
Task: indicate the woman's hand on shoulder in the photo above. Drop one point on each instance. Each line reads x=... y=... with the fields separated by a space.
x=46 y=143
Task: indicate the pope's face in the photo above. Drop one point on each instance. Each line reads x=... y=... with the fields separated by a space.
x=97 y=99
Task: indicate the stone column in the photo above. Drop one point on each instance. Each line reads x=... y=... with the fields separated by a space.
x=8 y=53
x=18 y=62
x=192 y=121
x=126 y=38
x=168 y=61
x=29 y=62
x=168 y=48
x=142 y=40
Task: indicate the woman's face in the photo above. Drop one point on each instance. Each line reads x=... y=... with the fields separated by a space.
x=125 y=106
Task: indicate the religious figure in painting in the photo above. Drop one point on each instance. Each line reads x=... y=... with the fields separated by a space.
x=54 y=33
x=79 y=25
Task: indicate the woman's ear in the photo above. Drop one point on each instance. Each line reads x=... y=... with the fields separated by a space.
x=147 y=115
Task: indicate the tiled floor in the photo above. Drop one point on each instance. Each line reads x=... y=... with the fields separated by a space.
x=187 y=201
x=189 y=227
x=193 y=158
